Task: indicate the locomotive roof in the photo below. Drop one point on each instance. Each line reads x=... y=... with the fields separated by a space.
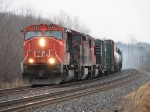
x=60 y=26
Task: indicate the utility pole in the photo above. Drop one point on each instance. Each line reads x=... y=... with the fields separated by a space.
x=128 y=51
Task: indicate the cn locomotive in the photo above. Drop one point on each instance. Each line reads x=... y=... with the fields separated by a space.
x=55 y=54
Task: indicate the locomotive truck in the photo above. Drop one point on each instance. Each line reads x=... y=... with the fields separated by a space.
x=55 y=54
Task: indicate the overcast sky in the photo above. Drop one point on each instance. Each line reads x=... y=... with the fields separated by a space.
x=113 y=19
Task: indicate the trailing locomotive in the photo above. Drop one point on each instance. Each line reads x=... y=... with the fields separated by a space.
x=54 y=54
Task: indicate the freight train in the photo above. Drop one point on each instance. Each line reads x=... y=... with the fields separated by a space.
x=55 y=54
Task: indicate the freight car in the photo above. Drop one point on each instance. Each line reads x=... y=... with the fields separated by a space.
x=55 y=54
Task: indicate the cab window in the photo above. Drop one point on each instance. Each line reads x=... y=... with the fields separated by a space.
x=57 y=34
x=30 y=34
x=77 y=38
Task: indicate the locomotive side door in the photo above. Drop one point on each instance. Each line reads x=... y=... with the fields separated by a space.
x=68 y=47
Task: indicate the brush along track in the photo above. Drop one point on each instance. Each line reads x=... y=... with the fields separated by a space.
x=25 y=90
x=52 y=98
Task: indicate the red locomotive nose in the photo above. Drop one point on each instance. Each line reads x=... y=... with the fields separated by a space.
x=42 y=50
x=42 y=42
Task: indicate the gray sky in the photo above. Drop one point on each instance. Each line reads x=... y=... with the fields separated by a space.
x=113 y=19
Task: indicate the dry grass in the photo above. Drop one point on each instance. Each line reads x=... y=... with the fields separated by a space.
x=140 y=99
x=136 y=101
x=16 y=83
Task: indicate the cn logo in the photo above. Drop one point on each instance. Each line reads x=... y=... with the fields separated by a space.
x=41 y=53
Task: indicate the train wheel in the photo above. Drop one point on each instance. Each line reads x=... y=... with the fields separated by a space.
x=100 y=73
x=76 y=76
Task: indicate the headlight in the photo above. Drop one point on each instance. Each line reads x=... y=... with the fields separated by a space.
x=42 y=42
x=51 y=61
x=31 y=60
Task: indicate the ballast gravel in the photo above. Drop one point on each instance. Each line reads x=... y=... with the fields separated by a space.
x=98 y=102
x=53 y=90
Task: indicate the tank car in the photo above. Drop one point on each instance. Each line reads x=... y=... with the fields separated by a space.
x=117 y=59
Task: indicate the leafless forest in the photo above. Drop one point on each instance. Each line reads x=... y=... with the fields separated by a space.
x=11 y=41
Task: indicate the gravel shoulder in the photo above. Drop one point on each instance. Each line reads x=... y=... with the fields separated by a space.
x=106 y=101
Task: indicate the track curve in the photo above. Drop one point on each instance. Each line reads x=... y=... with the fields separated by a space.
x=51 y=98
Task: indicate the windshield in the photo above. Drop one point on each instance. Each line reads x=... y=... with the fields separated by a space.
x=30 y=34
x=57 y=34
x=77 y=38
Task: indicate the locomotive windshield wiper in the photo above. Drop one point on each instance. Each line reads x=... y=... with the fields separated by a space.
x=54 y=33
x=54 y=37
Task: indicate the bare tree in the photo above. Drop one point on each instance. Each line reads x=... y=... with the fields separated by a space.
x=4 y=6
x=69 y=21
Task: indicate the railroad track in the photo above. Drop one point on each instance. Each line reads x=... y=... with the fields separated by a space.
x=23 y=104
x=25 y=90
x=4 y=92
